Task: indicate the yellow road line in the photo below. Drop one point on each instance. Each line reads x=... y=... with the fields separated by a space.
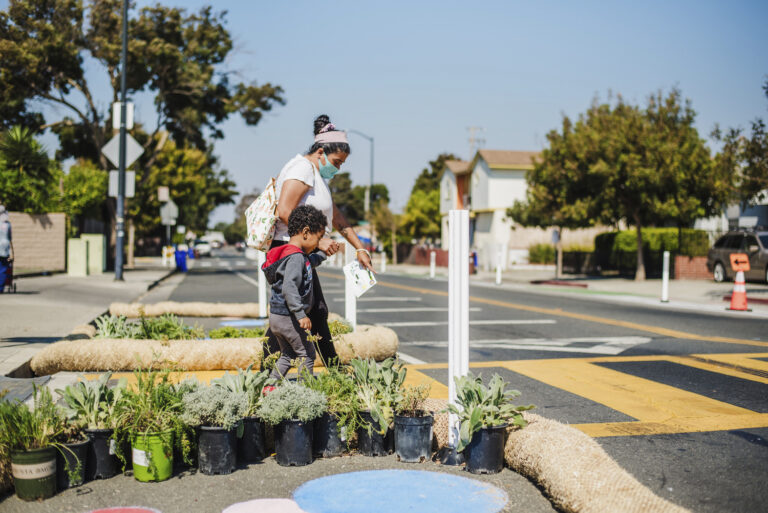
x=656 y=330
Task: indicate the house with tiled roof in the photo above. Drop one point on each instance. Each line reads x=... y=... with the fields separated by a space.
x=486 y=186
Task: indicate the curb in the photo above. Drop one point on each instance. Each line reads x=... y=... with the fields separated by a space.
x=759 y=300
x=562 y=283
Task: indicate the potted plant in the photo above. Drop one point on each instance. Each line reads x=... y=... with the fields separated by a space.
x=378 y=388
x=484 y=413
x=333 y=429
x=149 y=422
x=413 y=426
x=72 y=454
x=218 y=413
x=96 y=405
x=251 y=447
x=291 y=408
x=28 y=437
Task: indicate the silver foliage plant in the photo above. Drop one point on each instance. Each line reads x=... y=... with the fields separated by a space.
x=214 y=406
x=292 y=401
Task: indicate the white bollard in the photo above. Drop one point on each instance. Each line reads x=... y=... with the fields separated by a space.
x=499 y=263
x=665 y=279
x=261 y=257
x=432 y=264
x=383 y=262
x=350 y=300
x=458 y=310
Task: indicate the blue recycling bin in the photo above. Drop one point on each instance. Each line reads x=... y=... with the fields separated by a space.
x=181 y=260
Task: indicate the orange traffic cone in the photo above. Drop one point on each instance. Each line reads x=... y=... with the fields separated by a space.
x=739 y=296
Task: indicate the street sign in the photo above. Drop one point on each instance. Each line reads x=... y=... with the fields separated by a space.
x=130 y=183
x=128 y=115
x=133 y=150
x=163 y=194
x=168 y=213
x=740 y=262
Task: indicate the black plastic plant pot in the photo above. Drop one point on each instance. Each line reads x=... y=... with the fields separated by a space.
x=485 y=453
x=413 y=438
x=216 y=450
x=293 y=443
x=251 y=448
x=102 y=461
x=373 y=443
x=34 y=473
x=327 y=443
x=71 y=460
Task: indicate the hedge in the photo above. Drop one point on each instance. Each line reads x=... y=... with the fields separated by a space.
x=541 y=254
x=694 y=242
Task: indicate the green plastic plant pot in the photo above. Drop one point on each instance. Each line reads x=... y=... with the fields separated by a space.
x=152 y=456
x=34 y=473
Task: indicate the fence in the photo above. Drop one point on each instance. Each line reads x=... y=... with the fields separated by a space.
x=39 y=241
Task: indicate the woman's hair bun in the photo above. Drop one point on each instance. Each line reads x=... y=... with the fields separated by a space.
x=320 y=122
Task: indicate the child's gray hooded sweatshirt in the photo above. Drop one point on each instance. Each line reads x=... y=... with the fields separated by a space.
x=289 y=272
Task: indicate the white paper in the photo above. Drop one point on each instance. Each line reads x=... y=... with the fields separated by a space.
x=360 y=278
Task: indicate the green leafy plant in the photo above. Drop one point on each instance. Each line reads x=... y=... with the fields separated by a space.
x=541 y=254
x=232 y=332
x=410 y=400
x=93 y=403
x=479 y=406
x=340 y=391
x=248 y=382
x=164 y=327
x=214 y=406
x=378 y=388
x=153 y=406
x=292 y=401
x=115 y=326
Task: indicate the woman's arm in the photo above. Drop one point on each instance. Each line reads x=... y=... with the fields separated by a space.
x=345 y=229
x=290 y=195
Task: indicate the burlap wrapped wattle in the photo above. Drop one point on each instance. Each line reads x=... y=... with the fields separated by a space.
x=187 y=309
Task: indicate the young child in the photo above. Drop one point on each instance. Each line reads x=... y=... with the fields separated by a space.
x=289 y=271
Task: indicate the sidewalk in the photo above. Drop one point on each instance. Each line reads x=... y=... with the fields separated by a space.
x=47 y=308
x=699 y=295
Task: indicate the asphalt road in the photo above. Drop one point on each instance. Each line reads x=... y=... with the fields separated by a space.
x=678 y=398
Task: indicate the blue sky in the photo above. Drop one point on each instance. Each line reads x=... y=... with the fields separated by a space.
x=415 y=75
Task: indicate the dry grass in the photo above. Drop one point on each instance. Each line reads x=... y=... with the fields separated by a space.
x=575 y=472
x=188 y=309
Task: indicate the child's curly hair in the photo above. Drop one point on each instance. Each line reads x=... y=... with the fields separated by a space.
x=306 y=216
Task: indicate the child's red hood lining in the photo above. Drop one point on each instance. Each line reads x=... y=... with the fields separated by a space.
x=275 y=254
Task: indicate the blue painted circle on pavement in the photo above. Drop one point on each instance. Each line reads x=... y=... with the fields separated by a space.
x=243 y=323
x=387 y=491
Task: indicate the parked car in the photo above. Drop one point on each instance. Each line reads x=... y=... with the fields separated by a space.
x=753 y=243
x=202 y=247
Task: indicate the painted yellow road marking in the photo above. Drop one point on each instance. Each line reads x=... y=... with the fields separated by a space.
x=657 y=408
x=656 y=330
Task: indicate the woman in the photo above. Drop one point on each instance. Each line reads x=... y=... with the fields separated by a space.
x=303 y=181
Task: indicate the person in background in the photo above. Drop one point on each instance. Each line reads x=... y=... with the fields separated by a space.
x=6 y=246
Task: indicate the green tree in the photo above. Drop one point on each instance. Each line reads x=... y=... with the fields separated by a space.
x=84 y=190
x=29 y=181
x=745 y=159
x=175 y=55
x=421 y=218
x=623 y=163
x=196 y=185
x=351 y=199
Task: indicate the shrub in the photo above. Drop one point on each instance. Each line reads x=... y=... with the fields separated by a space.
x=93 y=402
x=164 y=327
x=250 y=383
x=292 y=401
x=340 y=392
x=214 y=406
x=232 y=332
x=379 y=388
x=694 y=242
x=541 y=254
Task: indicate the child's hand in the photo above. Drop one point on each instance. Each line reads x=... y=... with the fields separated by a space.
x=305 y=323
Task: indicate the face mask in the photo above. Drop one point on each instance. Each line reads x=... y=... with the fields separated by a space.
x=327 y=170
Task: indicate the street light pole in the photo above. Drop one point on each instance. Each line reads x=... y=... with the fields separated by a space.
x=370 y=181
x=120 y=240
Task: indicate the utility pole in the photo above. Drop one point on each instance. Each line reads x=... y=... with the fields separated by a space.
x=120 y=242
x=475 y=142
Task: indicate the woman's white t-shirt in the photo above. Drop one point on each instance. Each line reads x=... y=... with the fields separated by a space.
x=318 y=195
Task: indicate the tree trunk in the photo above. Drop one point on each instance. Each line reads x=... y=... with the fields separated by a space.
x=640 y=274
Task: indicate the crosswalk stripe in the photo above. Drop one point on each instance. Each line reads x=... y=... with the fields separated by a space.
x=405 y=310
x=409 y=324
x=385 y=298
